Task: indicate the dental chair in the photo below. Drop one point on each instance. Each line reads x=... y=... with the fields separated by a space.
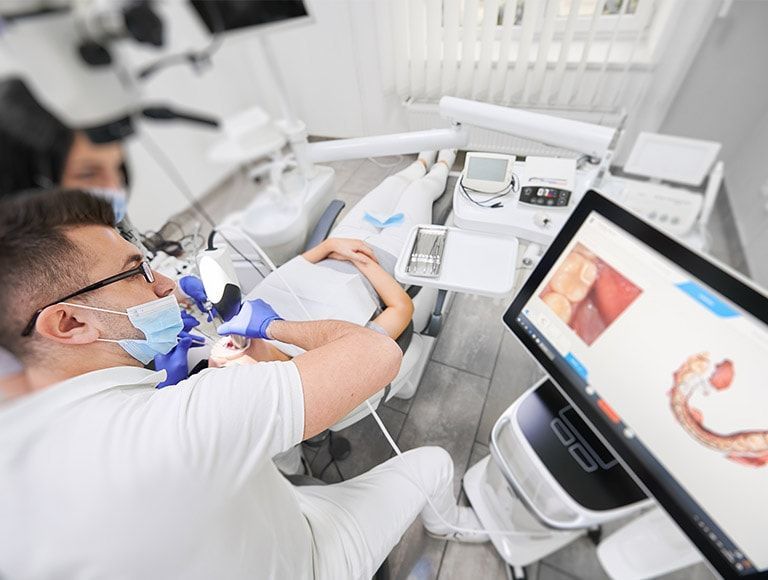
x=418 y=339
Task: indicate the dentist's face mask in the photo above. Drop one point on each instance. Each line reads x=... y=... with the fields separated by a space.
x=159 y=320
x=117 y=197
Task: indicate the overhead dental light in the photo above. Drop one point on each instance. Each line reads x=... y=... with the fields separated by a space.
x=68 y=52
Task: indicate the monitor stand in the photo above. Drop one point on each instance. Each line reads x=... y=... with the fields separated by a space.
x=647 y=547
x=540 y=430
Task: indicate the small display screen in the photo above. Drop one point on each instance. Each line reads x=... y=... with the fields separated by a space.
x=487 y=168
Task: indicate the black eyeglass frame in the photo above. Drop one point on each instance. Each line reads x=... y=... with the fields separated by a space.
x=143 y=268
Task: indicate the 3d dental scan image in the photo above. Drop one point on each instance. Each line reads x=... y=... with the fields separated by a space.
x=383 y=289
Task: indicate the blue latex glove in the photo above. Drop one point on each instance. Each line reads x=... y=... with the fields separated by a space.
x=252 y=320
x=189 y=322
x=193 y=287
x=175 y=363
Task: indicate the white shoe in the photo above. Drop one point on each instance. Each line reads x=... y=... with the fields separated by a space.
x=448 y=156
x=470 y=532
x=428 y=157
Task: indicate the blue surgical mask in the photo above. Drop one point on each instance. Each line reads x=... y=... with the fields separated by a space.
x=117 y=197
x=159 y=320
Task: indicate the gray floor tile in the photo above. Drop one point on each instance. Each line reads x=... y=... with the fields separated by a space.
x=578 y=559
x=445 y=412
x=472 y=560
x=515 y=371
x=364 y=178
x=462 y=561
x=369 y=446
x=725 y=241
x=343 y=171
x=402 y=405
x=417 y=556
x=547 y=572
x=472 y=334
x=695 y=572
x=479 y=451
x=758 y=257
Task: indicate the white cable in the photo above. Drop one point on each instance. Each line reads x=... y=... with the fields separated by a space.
x=275 y=269
x=439 y=515
x=386 y=165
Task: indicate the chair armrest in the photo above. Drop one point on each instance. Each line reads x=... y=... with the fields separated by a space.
x=324 y=224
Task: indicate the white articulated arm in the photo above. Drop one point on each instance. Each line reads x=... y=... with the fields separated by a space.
x=586 y=138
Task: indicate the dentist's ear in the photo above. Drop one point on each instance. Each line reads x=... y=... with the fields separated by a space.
x=67 y=325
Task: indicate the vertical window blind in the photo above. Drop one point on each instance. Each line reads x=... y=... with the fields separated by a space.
x=587 y=55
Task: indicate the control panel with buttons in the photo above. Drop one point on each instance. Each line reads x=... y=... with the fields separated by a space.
x=545 y=196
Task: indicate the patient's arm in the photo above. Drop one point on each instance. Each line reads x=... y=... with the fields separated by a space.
x=342 y=249
x=398 y=309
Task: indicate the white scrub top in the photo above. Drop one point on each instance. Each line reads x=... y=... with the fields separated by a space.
x=9 y=365
x=104 y=476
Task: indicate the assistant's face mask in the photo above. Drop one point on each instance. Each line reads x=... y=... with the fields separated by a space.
x=118 y=197
x=159 y=320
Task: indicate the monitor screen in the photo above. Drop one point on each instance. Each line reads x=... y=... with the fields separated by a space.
x=666 y=355
x=223 y=15
x=487 y=168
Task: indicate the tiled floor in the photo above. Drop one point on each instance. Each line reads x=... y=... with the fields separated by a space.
x=476 y=371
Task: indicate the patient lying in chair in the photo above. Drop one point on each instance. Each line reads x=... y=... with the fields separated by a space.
x=349 y=275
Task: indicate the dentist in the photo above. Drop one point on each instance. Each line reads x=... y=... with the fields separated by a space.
x=104 y=476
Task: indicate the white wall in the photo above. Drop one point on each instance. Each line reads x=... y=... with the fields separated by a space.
x=330 y=71
x=724 y=97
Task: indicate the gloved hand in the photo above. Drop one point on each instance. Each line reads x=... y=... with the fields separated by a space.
x=189 y=322
x=175 y=362
x=193 y=287
x=252 y=321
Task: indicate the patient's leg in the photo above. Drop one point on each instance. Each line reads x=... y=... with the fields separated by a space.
x=410 y=193
x=415 y=204
x=380 y=200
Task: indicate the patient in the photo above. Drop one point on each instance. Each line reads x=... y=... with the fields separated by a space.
x=351 y=271
x=391 y=320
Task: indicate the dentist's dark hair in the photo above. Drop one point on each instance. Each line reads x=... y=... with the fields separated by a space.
x=38 y=262
x=34 y=144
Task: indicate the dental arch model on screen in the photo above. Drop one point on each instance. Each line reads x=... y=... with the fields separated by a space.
x=697 y=375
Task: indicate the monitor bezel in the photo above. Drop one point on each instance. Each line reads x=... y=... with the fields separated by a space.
x=737 y=290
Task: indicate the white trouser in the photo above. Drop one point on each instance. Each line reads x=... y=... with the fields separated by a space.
x=356 y=523
x=410 y=192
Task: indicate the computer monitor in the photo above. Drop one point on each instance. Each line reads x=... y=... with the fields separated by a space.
x=225 y=15
x=666 y=355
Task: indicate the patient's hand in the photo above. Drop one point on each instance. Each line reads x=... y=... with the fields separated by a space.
x=348 y=249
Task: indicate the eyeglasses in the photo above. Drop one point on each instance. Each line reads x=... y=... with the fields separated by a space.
x=143 y=269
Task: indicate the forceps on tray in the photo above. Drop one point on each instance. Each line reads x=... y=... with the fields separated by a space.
x=427 y=252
